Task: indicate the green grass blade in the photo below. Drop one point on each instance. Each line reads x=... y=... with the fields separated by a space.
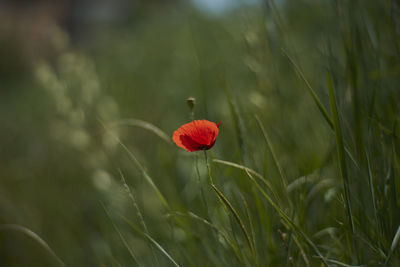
x=287 y=219
x=135 y=205
x=396 y=168
x=140 y=167
x=226 y=202
x=241 y=167
x=320 y=106
x=34 y=236
x=340 y=151
x=157 y=245
x=396 y=239
x=302 y=252
x=152 y=240
x=269 y=144
x=120 y=235
x=231 y=243
x=237 y=124
x=284 y=216
x=338 y=263
x=145 y=125
x=138 y=212
x=393 y=246
x=383 y=128
x=200 y=183
x=251 y=225
x=371 y=191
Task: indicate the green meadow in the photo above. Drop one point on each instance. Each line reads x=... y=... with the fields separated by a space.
x=305 y=170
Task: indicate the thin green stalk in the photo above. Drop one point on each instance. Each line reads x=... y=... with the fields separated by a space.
x=211 y=183
x=203 y=197
x=140 y=167
x=191 y=103
x=157 y=245
x=251 y=172
x=34 y=236
x=152 y=240
x=138 y=212
x=256 y=174
x=342 y=160
x=227 y=204
x=237 y=124
x=120 y=235
x=319 y=104
x=289 y=246
x=394 y=245
x=371 y=191
x=276 y=162
x=208 y=168
x=145 y=125
x=289 y=221
x=135 y=205
x=275 y=159
x=234 y=248
x=340 y=151
x=253 y=234
x=310 y=90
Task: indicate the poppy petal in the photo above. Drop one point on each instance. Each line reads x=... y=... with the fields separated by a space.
x=196 y=135
x=202 y=131
x=189 y=144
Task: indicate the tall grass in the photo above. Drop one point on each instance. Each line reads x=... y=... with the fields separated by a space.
x=305 y=170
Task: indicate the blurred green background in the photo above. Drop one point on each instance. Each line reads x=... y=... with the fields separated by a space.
x=84 y=82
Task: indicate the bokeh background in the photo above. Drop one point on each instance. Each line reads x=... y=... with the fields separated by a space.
x=92 y=90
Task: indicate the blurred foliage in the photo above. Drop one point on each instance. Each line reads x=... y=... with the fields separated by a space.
x=79 y=115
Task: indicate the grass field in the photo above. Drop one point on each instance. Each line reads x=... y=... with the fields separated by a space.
x=305 y=170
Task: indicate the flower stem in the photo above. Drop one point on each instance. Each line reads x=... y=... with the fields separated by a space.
x=225 y=202
x=203 y=197
x=208 y=168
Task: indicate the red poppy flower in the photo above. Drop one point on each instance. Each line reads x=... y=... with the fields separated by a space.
x=196 y=135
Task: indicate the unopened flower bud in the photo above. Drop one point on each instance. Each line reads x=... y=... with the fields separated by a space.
x=191 y=101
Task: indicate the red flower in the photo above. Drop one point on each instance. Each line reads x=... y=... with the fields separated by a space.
x=196 y=135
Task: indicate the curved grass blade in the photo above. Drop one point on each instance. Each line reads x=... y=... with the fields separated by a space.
x=302 y=180
x=236 y=123
x=318 y=103
x=34 y=236
x=394 y=245
x=325 y=183
x=373 y=247
x=311 y=91
x=371 y=191
x=212 y=184
x=120 y=235
x=302 y=252
x=276 y=162
x=140 y=167
x=241 y=167
x=135 y=205
x=199 y=181
x=286 y=218
x=232 y=244
x=338 y=263
x=253 y=234
x=340 y=151
x=152 y=240
x=383 y=128
x=155 y=243
x=145 y=125
x=138 y=212
x=226 y=202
